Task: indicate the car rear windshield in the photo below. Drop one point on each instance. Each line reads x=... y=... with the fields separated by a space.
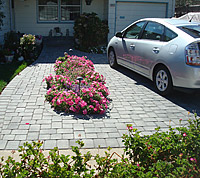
x=193 y=30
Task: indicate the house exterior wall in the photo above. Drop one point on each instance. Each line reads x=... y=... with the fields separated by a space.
x=112 y=6
x=26 y=17
x=6 y=21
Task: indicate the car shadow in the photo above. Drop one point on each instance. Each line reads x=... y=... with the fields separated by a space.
x=188 y=101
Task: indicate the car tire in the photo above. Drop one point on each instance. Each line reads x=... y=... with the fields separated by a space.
x=112 y=58
x=163 y=81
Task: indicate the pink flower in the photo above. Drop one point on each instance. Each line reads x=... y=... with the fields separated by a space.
x=58 y=102
x=138 y=165
x=48 y=91
x=70 y=103
x=90 y=94
x=130 y=128
x=102 y=111
x=72 y=109
x=191 y=159
x=83 y=103
x=184 y=135
x=85 y=111
x=90 y=106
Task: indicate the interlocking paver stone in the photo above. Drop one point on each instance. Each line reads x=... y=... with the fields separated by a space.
x=20 y=137
x=33 y=136
x=12 y=145
x=25 y=115
x=63 y=144
x=9 y=137
x=3 y=144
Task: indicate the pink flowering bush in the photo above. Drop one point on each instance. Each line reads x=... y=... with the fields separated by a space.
x=63 y=88
x=175 y=153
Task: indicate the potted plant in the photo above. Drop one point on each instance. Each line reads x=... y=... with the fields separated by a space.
x=9 y=55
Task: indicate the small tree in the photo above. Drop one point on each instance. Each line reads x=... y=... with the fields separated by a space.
x=180 y=3
x=1 y=14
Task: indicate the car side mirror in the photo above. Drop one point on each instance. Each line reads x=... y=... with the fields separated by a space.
x=119 y=34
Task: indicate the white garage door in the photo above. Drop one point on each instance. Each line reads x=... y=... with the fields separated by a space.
x=128 y=12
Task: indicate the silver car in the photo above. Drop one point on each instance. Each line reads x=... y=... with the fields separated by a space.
x=167 y=51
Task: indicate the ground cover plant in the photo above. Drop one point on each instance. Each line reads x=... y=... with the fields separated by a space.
x=169 y=154
x=66 y=94
x=9 y=71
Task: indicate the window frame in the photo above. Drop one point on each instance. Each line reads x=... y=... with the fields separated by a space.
x=59 y=21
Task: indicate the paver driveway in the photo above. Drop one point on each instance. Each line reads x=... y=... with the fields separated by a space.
x=25 y=116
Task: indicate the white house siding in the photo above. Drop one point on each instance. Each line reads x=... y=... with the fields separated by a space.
x=6 y=20
x=141 y=11
x=26 y=17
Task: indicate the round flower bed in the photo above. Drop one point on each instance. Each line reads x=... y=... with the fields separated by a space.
x=63 y=88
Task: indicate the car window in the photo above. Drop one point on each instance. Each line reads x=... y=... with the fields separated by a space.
x=134 y=31
x=169 y=35
x=153 y=31
x=193 y=30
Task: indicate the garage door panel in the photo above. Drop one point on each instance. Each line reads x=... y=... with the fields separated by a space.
x=128 y=12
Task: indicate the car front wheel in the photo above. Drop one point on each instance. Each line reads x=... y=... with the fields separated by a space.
x=112 y=58
x=163 y=81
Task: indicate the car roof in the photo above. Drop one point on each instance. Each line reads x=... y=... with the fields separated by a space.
x=173 y=21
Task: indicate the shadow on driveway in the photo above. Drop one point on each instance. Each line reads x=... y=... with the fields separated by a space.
x=188 y=101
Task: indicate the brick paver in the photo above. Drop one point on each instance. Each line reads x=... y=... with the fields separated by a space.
x=25 y=116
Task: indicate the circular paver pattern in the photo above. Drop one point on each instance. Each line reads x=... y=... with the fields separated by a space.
x=25 y=116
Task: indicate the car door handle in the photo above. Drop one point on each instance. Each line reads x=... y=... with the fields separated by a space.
x=156 y=50
x=132 y=46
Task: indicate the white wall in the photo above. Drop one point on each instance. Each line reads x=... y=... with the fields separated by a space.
x=26 y=20
x=6 y=21
x=112 y=12
x=26 y=17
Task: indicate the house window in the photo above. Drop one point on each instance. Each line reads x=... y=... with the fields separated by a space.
x=58 y=10
x=48 y=10
x=70 y=9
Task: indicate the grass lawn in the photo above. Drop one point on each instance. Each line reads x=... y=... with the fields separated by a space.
x=9 y=71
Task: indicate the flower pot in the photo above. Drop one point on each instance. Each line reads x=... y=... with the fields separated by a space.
x=9 y=58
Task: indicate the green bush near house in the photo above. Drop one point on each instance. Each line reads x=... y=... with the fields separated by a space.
x=11 y=40
x=90 y=32
x=164 y=154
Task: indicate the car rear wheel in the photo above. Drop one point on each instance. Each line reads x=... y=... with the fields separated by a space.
x=163 y=81
x=112 y=58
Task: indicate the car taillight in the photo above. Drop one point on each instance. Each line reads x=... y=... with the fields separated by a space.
x=193 y=54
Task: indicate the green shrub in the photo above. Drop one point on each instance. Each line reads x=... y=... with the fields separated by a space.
x=11 y=40
x=163 y=154
x=90 y=31
x=28 y=45
x=174 y=153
